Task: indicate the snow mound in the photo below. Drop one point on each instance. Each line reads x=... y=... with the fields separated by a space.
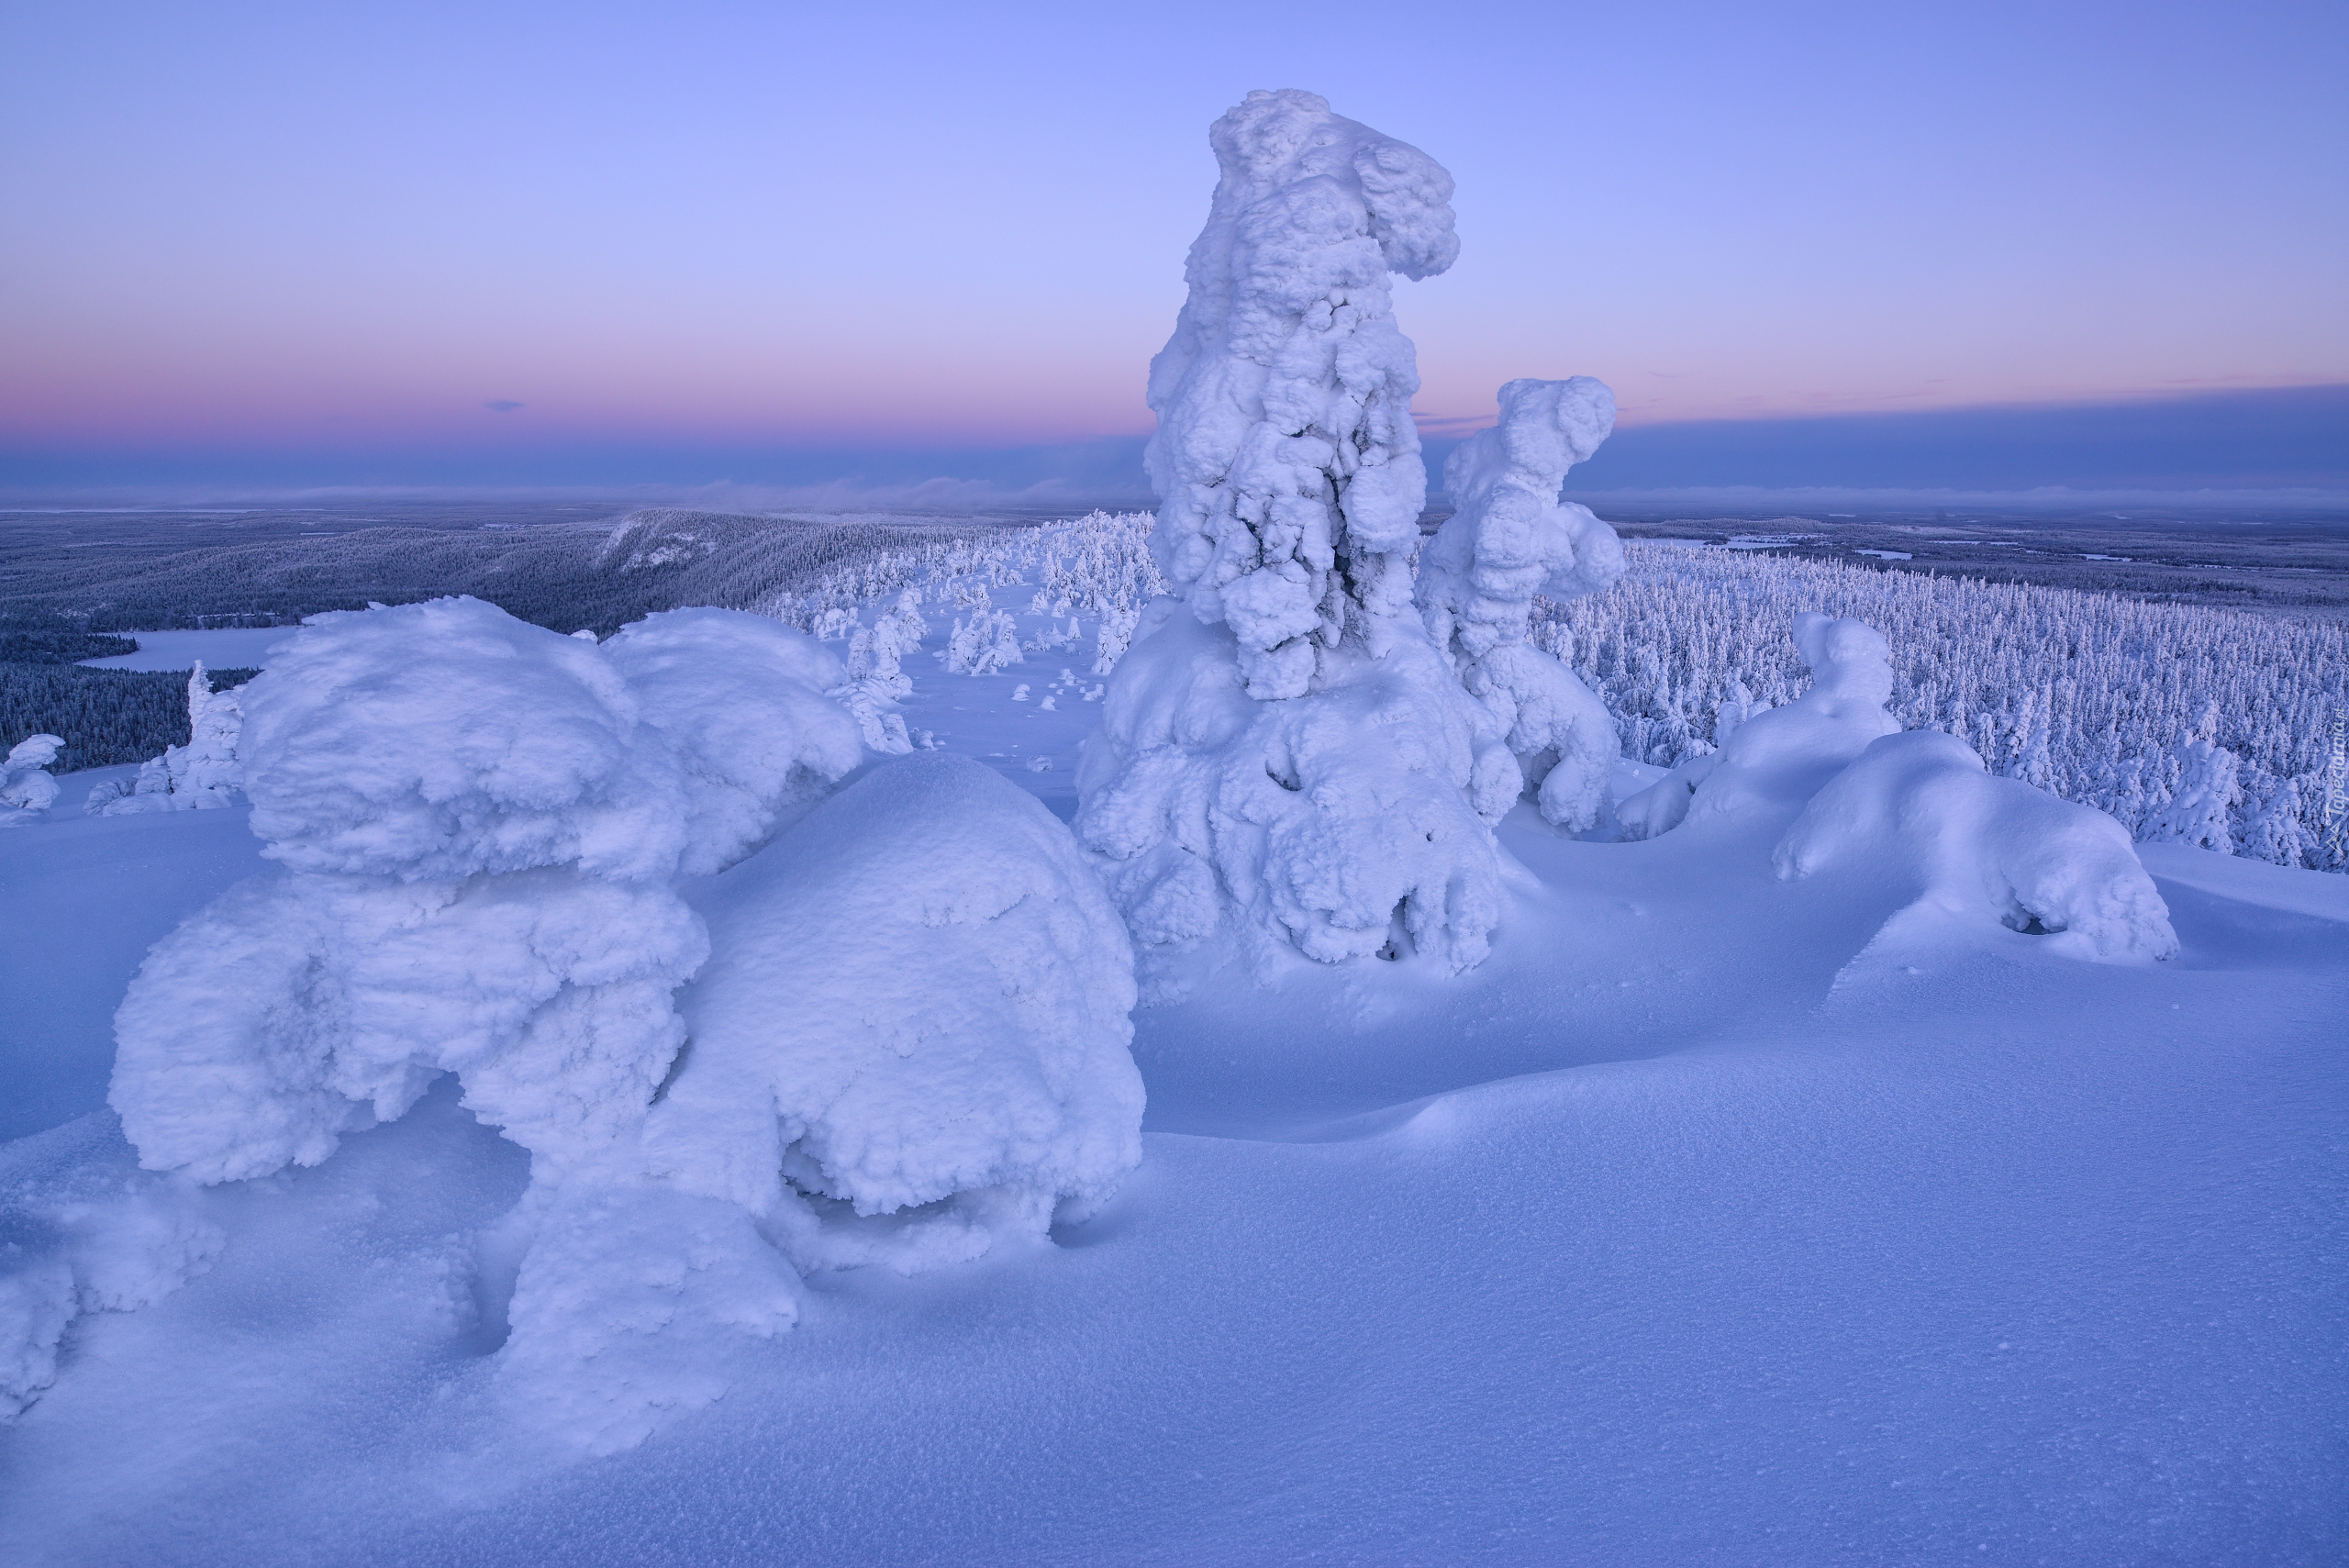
x=1777 y=759
x=1510 y=539
x=1340 y=822
x=823 y=1088
x=1922 y=804
x=83 y=1236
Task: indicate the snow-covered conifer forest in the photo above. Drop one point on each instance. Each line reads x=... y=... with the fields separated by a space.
x=1253 y=1033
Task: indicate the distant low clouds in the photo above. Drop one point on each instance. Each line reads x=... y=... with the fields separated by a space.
x=501 y=405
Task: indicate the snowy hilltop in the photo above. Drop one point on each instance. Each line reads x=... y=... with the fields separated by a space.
x=1249 y=1034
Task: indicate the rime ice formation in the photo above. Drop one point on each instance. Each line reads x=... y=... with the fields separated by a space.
x=1287 y=744
x=26 y=788
x=1285 y=458
x=740 y=699
x=1921 y=806
x=1512 y=538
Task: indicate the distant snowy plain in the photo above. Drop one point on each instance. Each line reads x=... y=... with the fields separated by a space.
x=1716 y=1218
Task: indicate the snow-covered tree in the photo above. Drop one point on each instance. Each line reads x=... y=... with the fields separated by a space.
x=202 y=776
x=1287 y=744
x=1512 y=538
x=26 y=788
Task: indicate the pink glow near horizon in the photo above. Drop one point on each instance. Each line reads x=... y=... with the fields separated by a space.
x=329 y=231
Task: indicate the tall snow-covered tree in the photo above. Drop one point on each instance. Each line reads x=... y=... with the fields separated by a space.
x=1287 y=744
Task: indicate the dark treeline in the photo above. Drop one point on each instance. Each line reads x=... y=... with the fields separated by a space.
x=105 y=716
x=49 y=645
x=561 y=575
x=67 y=583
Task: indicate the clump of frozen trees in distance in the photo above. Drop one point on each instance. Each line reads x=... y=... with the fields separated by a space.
x=1863 y=792
x=2186 y=724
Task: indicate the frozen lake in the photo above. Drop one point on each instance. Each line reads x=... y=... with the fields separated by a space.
x=241 y=648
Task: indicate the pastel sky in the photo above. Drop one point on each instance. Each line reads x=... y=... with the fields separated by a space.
x=416 y=235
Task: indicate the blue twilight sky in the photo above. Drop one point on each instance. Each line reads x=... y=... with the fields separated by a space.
x=680 y=244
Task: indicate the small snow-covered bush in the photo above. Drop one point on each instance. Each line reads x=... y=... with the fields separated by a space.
x=1778 y=759
x=85 y=1236
x=1920 y=806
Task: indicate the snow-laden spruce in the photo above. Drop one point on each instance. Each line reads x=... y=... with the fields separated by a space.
x=480 y=821
x=1286 y=459
x=1509 y=540
x=26 y=790
x=1287 y=744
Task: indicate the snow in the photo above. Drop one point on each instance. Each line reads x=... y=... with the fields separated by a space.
x=1714 y=1207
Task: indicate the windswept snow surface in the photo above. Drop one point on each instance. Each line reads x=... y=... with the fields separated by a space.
x=1720 y=1217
